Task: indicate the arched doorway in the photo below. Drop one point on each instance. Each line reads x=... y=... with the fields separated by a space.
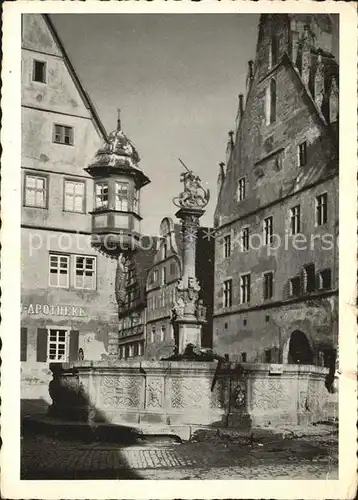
x=299 y=351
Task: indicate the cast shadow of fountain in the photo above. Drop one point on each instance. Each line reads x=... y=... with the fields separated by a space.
x=72 y=418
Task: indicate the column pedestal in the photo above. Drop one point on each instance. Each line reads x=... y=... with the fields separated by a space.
x=189 y=333
x=187 y=323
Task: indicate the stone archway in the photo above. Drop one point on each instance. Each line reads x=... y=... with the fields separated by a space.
x=299 y=349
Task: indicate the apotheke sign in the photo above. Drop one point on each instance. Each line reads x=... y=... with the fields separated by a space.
x=53 y=310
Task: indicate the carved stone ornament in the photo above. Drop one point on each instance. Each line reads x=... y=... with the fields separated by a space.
x=121 y=280
x=186 y=300
x=194 y=194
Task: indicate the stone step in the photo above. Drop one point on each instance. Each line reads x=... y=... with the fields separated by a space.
x=124 y=432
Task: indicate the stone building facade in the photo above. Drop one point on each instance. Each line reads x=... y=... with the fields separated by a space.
x=67 y=288
x=276 y=254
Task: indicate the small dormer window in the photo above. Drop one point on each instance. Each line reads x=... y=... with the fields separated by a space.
x=62 y=134
x=39 y=71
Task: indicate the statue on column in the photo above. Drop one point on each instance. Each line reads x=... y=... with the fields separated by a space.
x=194 y=194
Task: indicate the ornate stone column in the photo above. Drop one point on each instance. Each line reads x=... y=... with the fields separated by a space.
x=188 y=312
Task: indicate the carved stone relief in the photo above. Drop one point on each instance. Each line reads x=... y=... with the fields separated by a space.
x=155 y=392
x=194 y=393
x=121 y=392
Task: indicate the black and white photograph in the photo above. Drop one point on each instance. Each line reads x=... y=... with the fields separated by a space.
x=179 y=196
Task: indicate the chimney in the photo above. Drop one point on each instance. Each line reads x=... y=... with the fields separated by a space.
x=333 y=101
x=306 y=56
x=221 y=176
x=250 y=75
x=251 y=69
x=241 y=104
x=230 y=146
x=319 y=81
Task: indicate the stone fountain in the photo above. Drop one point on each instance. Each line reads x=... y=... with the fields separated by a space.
x=178 y=393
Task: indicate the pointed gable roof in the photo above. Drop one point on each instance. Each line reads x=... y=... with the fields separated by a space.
x=80 y=88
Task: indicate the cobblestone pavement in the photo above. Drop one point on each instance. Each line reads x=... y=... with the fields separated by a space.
x=47 y=458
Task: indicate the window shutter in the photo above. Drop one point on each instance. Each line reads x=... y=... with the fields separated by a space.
x=73 y=354
x=23 y=343
x=42 y=344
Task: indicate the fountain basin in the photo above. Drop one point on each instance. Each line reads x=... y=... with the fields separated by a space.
x=183 y=393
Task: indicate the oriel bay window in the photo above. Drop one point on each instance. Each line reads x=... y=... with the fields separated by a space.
x=117 y=180
x=115 y=201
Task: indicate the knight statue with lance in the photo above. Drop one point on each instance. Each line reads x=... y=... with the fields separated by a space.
x=194 y=194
